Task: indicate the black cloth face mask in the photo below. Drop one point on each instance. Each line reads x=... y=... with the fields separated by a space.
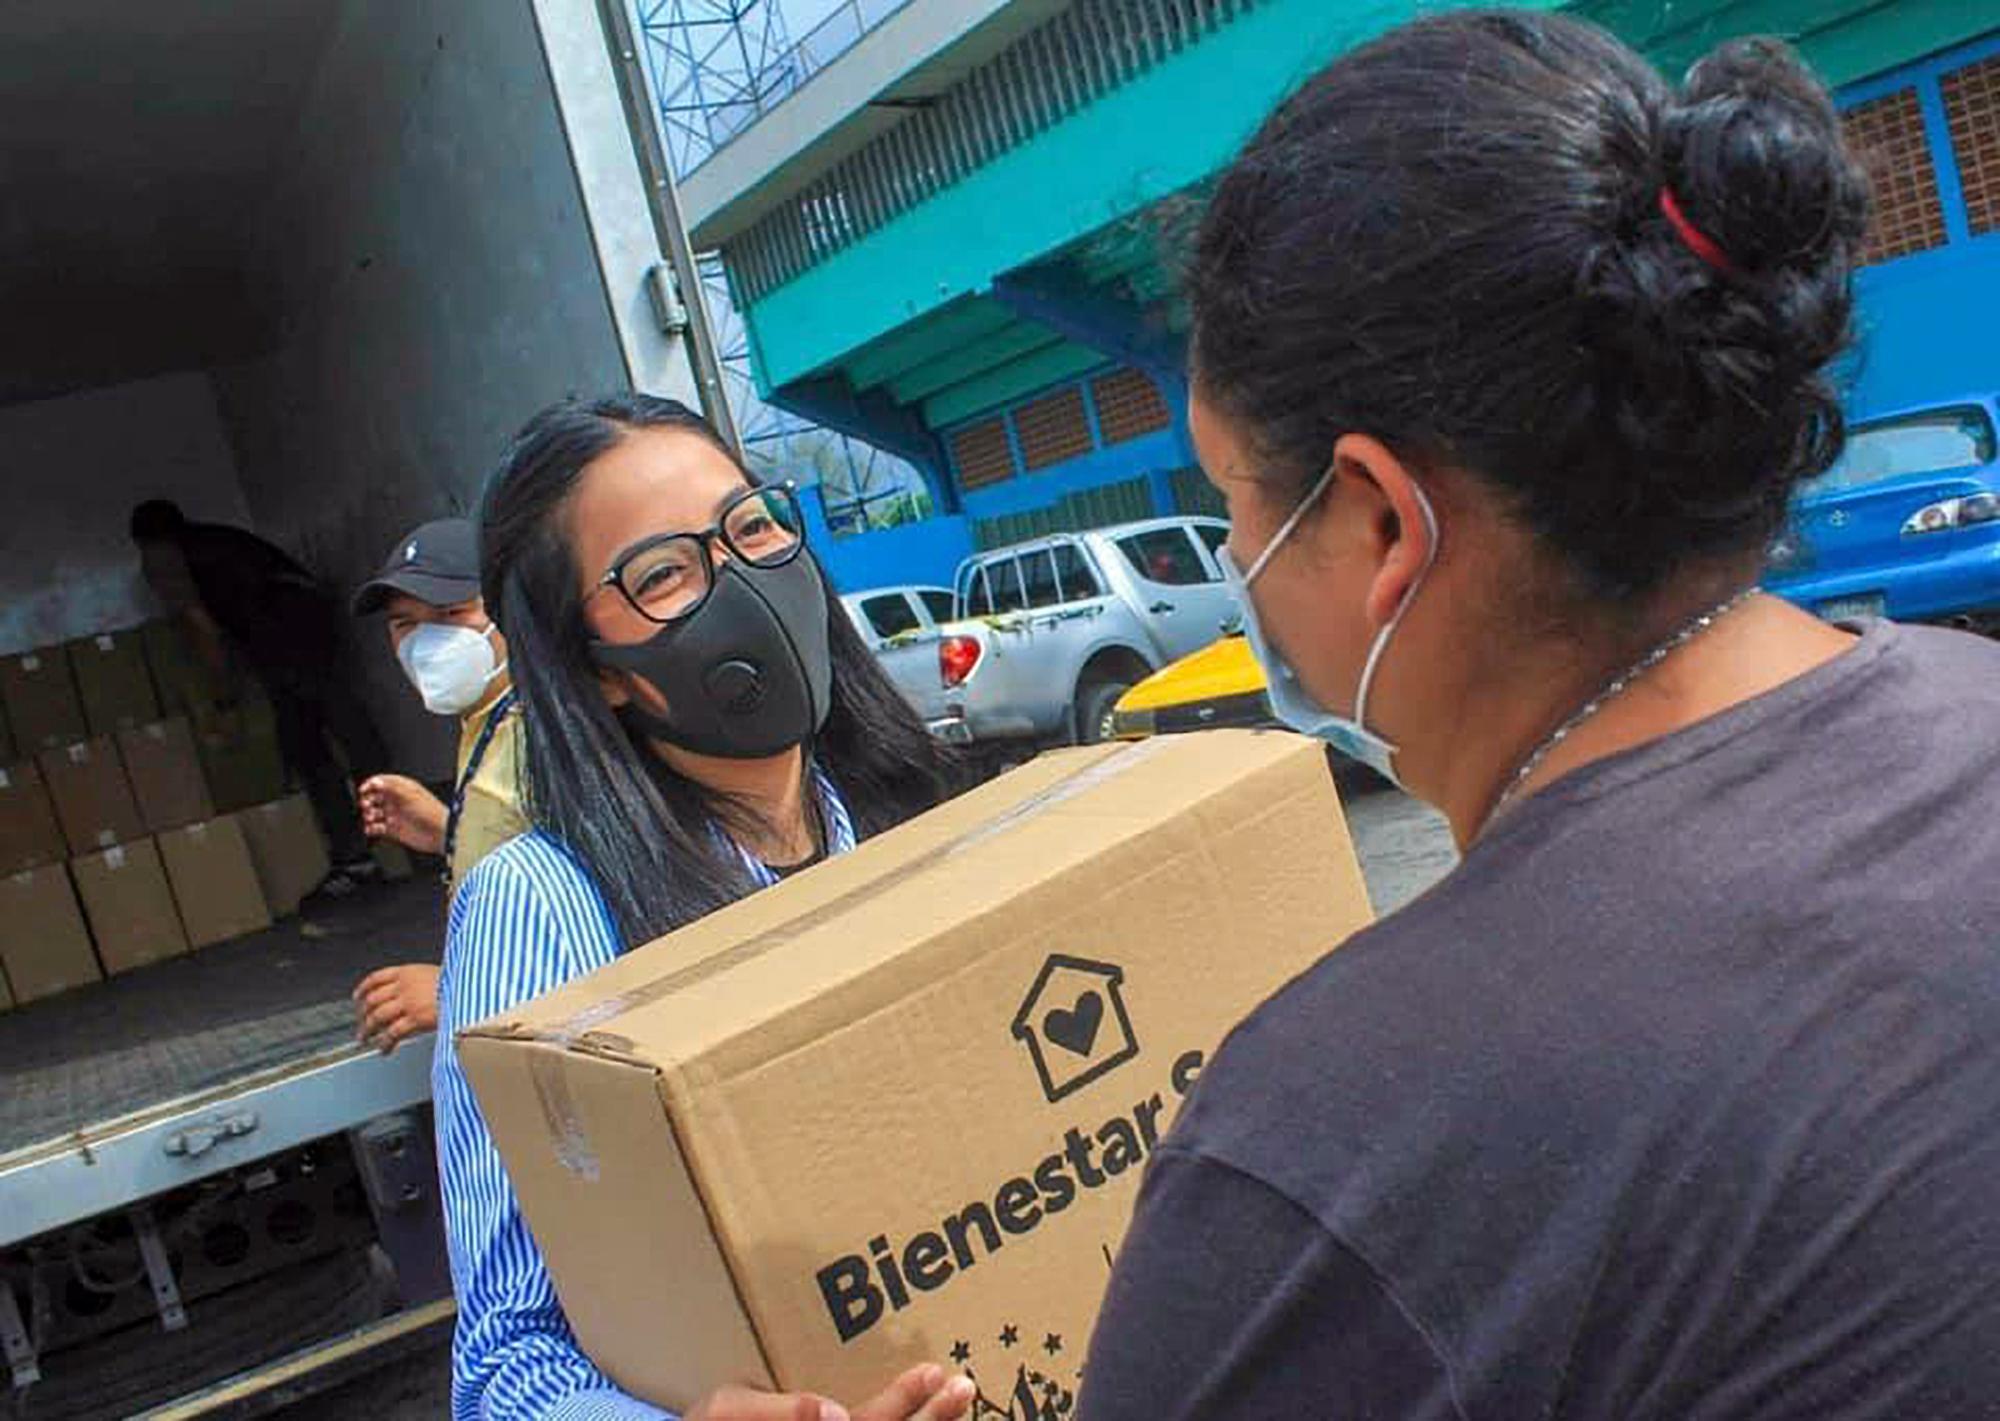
x=749 y=675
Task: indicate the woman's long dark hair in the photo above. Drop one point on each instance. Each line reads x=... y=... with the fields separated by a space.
x=652 y=840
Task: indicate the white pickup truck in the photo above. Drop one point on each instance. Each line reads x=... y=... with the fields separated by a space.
x=1049 y=634
x=903 y=626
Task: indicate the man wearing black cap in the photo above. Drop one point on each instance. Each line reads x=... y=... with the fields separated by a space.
x=234 y=592
x=456 y=659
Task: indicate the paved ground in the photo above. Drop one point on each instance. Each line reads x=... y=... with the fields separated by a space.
x=416 y=1389
x=1404 y=848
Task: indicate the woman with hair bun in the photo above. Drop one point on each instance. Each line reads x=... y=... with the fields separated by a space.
x=1678 y=1097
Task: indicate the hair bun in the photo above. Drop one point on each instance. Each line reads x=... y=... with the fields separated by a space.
x=1753 y=152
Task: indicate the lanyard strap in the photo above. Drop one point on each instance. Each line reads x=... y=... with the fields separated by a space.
x=501 y=709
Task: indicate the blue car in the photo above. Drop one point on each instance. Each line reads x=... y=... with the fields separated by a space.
x=1906 y=524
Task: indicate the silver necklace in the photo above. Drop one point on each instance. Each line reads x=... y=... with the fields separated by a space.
x=1613 y=689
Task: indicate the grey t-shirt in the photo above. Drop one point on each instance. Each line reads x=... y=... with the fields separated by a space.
x=1680 y=1098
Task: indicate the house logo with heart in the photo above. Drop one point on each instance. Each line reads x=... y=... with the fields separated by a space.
x=1074 y=1023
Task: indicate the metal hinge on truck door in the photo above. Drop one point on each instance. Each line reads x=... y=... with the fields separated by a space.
x=663 y=289
x=198 y=1139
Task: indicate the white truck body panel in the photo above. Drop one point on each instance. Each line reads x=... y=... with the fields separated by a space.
x=433 y=220
x=901 y=625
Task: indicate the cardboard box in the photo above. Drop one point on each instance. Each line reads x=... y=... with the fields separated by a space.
x=185 y=685
x=897 y=1107
x=165 y=771
x=240 y=757
x=29 y=834
x=129 y=906
x=44 y=945
x=41 y=700
x=286 y=849
x=113 y=682
x=214 y=881
x=93 y=799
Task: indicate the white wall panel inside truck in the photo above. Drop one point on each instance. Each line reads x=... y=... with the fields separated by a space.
x=369 y=224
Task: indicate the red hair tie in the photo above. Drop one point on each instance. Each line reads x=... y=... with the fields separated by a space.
x=1692 y=237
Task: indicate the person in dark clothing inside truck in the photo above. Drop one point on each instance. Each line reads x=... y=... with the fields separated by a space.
x=244 y=602
x=1677 y=1098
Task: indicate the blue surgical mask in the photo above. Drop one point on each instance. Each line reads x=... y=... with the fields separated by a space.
x=1290 y=701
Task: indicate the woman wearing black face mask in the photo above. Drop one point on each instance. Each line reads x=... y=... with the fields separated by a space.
x=699 y=722
x=1677 y=1098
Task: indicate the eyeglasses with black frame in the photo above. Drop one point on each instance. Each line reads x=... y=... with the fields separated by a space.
x=667 y=578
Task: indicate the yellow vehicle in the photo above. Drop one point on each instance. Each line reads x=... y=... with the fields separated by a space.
x=1220 y=685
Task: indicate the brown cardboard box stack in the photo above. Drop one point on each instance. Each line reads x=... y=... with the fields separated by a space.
x=166 y=774
x=237 y=743
x=183 y=683
x=42 y=705
x=240 y=757
x=215 y=882
x=286 y=849
x=44 y=945
x=93 y=799
x=121 y=843
x=29 y=834
x=130 y=906
x=112 y=681
x=896 y=1107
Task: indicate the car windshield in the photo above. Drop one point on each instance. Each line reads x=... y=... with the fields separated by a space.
x=1934 y=442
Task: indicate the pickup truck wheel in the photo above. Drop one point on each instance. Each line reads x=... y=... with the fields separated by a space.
x=1094 y=704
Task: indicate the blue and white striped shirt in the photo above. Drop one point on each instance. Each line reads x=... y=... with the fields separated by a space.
x=527 y=919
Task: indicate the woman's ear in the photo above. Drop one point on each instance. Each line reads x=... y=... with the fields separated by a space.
x=1400 y=534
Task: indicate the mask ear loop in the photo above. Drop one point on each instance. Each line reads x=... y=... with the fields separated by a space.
x=500 y=663
x=1285 y=528
x=1388 y=632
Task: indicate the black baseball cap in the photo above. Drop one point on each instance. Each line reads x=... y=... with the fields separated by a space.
x=436 y=563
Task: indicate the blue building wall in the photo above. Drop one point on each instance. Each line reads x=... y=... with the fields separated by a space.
x=929 y=551
x=926 y=552
x=1150 y=456
x=1929 y=322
